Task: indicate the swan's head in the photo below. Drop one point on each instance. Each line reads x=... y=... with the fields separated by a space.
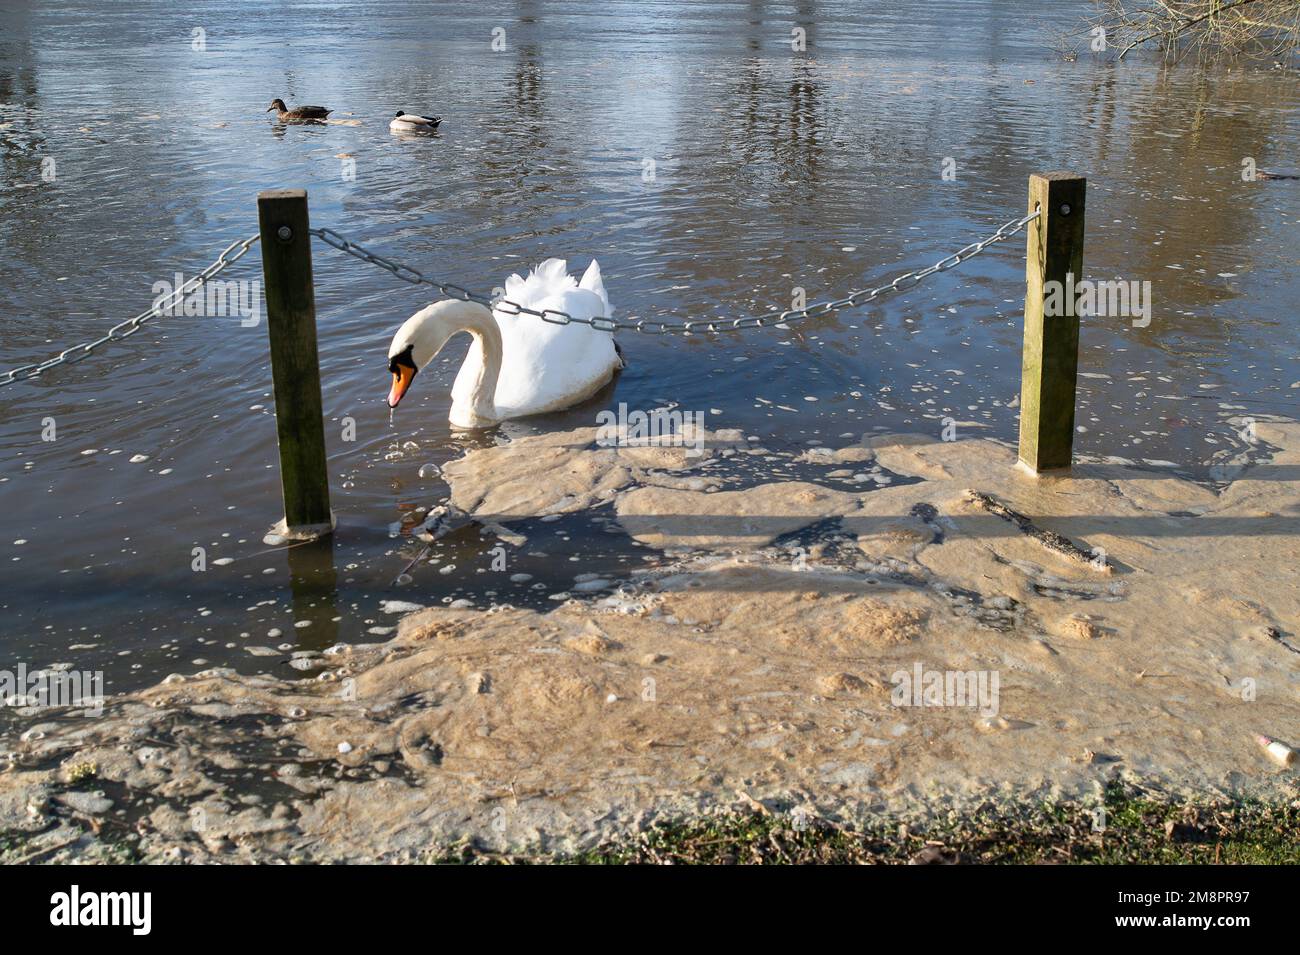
x=423 y=335
x=277 y=104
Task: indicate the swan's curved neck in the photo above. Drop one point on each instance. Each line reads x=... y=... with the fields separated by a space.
x=478 y=321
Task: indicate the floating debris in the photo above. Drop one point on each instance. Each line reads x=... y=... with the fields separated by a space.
x=399 y=606
x=1049 y=539
x=1277 y=751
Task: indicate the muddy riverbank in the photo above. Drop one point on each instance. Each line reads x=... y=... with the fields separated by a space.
x=785 y=659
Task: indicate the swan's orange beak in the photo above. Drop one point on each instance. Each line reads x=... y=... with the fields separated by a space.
x=402 y=377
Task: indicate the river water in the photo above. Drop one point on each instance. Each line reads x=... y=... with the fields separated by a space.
x=708 y=166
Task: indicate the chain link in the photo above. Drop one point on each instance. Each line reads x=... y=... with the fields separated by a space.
x=238 y=249
x=901 y=283
x=123 y=330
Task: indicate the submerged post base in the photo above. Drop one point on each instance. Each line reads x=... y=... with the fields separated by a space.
x=1024 y=467
x=300 y=532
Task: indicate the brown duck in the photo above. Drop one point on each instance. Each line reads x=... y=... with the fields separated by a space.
x=298 y=114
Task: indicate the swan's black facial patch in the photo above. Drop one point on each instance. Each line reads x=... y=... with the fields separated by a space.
x=402 y=360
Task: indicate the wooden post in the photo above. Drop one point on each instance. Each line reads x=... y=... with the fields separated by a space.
x=1050 y=361
x=291 y=325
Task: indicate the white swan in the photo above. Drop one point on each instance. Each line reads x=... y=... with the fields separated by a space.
x=411 y=123
x=517 y=365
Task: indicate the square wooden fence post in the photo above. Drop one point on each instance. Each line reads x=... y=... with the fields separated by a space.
x=295 y=367
x=1050 y=361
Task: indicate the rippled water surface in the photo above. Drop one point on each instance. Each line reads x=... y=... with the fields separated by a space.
x=708 y=167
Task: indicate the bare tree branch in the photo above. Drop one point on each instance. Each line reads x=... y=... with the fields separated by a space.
x=1260 y=28
x=1216 y=9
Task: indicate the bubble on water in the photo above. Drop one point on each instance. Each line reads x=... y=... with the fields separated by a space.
x=137 y=458
x=223 y=561
x=429 y=471
x=403 y=579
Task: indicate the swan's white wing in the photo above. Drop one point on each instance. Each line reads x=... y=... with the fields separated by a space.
x=549 y=278
x=592 y=281
x=546 y=367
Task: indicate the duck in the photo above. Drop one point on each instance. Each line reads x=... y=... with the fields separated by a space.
x=298 y=113
x=410 y=122
x=517 y=365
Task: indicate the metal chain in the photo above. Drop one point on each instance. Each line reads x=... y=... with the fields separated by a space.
x=123 y=330
x=556 y=317
x=238 y=249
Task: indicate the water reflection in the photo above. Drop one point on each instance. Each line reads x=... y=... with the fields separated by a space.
x=314 y=585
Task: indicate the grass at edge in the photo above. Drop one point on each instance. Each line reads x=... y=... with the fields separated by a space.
x=1133 y=828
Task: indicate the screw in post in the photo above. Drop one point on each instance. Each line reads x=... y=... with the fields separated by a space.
x=284 y=233
x=1065 y=208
